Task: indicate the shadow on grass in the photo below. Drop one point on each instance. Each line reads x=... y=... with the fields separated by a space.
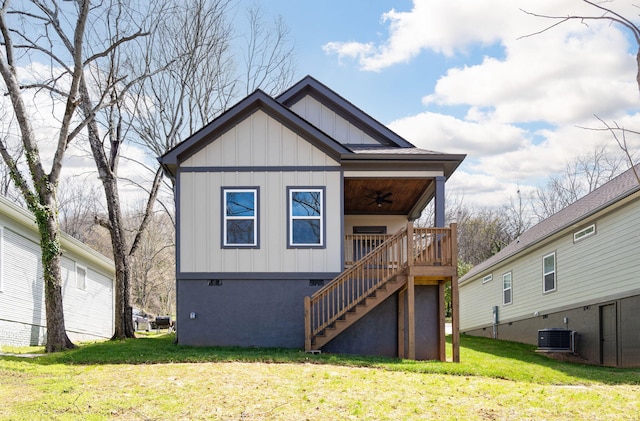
x=480 y=357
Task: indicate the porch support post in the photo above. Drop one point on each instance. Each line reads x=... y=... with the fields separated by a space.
x=411 y=317
x=401 y=318
x=455 y=301
x=307 y=324
x=439 y=203
x=442 y=351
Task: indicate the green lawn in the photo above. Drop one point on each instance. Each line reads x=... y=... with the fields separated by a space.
x=153 y=378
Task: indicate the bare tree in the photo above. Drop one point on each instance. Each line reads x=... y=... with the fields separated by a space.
x=37 y=184
x=481 y=234
x=604 y=13
x=54 y=35
x=581 y=176
x=78 y=203
x=162 y=91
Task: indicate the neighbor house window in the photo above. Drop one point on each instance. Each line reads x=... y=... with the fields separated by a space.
x=507 y=284
x=306 y=217
x=584 y=233
x=487 y=278
x=240 y=217
x=81 y=277
x=549 y=272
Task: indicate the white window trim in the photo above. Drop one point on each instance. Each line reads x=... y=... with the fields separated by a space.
x=86 y=273
x=319 y=217
x=544 y=274
x=510 y=274
x=226 y=218
x=487 y=278
x=584 y=233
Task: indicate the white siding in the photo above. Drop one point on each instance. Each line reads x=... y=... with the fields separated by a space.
x=331 y=123
x=22 y=297
x=259 y=141
x=394 y=223
x=201 y=223
x=602 y=265
x=88 y=313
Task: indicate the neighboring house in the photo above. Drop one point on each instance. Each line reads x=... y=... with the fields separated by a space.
x=577 y=270
x=87 y=284
x=305 y=195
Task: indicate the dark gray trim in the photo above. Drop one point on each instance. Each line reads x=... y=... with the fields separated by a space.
x=223 y=214
x=370 y=229
x=323 y=218
x=439 y=205
x=259 y=169
x=255 y=276
x=341 y=216
x=310 y=86
x=176 y=200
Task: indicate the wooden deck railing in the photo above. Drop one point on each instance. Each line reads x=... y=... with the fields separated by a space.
x=356 y=246
x=385 y=256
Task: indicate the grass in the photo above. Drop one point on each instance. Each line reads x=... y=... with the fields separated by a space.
x=153 y=378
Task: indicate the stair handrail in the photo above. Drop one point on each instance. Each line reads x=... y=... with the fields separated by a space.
x=353 y=285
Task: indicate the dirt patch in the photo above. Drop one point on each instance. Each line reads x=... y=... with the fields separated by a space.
x=568 y=357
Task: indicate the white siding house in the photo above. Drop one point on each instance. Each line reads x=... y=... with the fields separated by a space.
x=87 y=286
x=578 y=270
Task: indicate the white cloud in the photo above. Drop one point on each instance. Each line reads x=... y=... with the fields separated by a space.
x=446 y=133
x=523 y=102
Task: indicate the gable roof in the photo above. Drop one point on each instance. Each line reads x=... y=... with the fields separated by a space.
x=393 y=148
x=26 y=220
x=311 y=86
x=621 y=187
x=257 y=100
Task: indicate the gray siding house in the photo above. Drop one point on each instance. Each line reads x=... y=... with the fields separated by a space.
x=87 y=290
x=294 y=229
x=578 y=270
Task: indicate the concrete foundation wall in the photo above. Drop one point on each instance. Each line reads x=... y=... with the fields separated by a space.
x=585 y=321
x=270 y=313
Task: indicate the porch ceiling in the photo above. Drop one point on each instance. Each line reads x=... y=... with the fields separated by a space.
x=360 y=194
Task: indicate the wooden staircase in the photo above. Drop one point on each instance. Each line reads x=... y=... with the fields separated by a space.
x=356 y=291
x=356 y=313
x=426 y=254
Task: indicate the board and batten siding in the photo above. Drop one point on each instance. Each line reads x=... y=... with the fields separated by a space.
x=588 y=271
x=331 y=123
x=259 y=141
x=245 y=145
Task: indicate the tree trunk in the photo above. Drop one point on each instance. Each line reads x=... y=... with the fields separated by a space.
x=57 y=339
x=123 y=312
x=107 y=168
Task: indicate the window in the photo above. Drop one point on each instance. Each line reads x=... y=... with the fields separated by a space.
x=506 y=289
x=81 y=277
x=306 y=217
x=549 y=272
x=240 y=217
x=584 y=233
x=487 y=278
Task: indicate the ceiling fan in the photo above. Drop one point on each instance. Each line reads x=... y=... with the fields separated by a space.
x=379 y=199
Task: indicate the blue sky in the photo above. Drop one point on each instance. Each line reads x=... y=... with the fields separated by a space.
x=457 y=77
